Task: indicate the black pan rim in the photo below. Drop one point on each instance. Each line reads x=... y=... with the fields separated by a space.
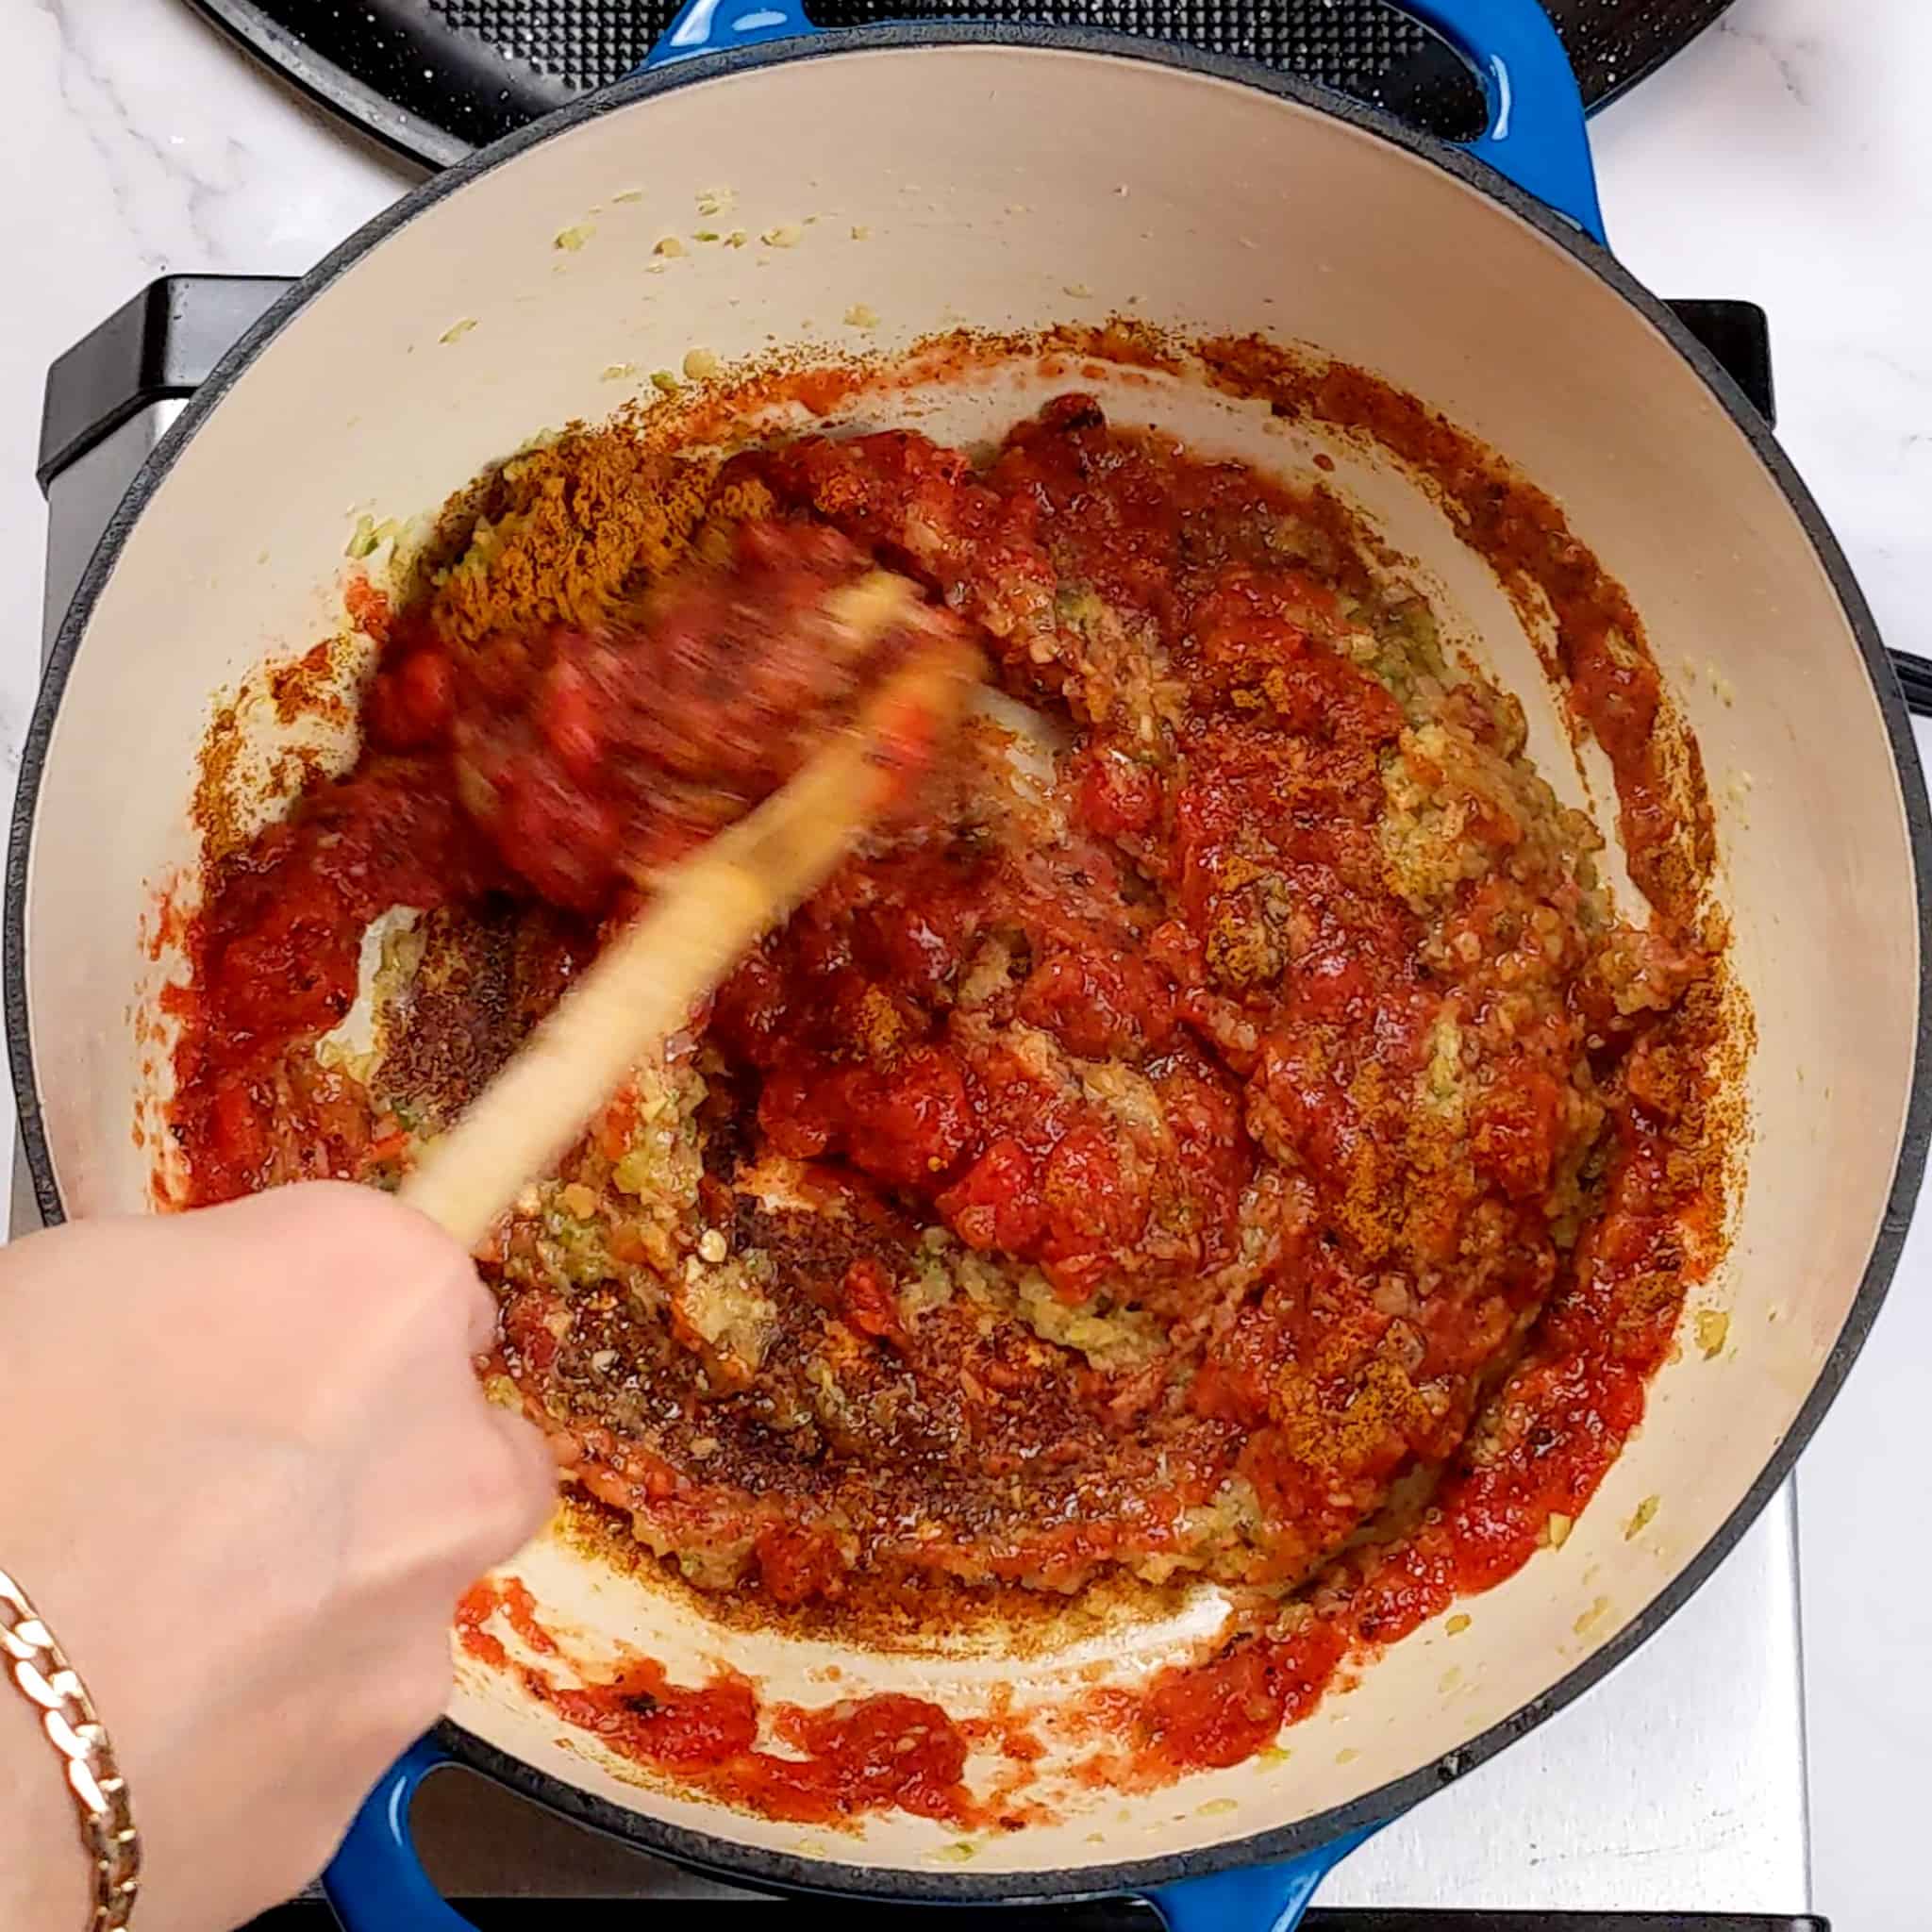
x=729 y=1859
x=1705 y=16
x=411 y=137
x=416 y=138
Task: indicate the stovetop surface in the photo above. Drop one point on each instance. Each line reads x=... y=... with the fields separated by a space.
x=1677 y=1786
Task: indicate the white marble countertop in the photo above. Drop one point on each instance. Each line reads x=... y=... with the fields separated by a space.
x=1785 y=158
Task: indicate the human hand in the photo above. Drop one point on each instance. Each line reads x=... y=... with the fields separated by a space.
x=246 y=1469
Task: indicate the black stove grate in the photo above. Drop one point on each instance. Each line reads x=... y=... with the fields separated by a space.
x=582 y=46
x=436 y=77
x=1356 y=46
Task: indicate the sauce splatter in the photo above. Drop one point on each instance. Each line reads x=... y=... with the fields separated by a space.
x=841 y=1761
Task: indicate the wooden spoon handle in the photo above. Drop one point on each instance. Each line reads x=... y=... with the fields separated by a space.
x=644 y=985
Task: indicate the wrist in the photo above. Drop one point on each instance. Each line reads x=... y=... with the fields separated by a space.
x=47 y=1876
x=78 y=1765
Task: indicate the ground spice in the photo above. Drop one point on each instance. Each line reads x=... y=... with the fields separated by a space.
x=556 y=534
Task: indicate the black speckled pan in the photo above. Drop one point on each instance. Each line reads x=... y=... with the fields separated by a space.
x=435 y=78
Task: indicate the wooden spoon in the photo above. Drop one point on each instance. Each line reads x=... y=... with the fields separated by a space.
x=704 y=916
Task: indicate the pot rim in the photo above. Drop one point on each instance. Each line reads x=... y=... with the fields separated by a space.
x=734 y=1860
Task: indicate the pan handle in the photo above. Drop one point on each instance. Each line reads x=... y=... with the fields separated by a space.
x=715 y=26
x=1261 y=1898
x=1535 y=136
x=375 y=1882
x=1914 y=677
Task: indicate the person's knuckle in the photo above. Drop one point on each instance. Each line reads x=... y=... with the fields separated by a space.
x=374 y=1253
x=391 y=1231
x=432 y=1304
x=337 y=1211
x=447 y=1285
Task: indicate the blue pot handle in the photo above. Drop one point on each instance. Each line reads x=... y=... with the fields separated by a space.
x=1535 y=136
x=712 y=26
x=375 y=1882
x=1262 y=1898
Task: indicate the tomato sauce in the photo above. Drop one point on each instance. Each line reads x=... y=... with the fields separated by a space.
x=1257 y=1116
x=842 y=1761
x=1208 y=1716
x=273 y=958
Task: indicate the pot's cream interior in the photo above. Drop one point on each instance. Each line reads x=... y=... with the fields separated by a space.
x=1008 y=187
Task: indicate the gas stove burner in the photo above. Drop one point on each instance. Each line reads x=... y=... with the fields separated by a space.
x=435 y=78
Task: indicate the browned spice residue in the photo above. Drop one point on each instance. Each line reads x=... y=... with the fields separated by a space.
x=214 y=809
x=306 y=688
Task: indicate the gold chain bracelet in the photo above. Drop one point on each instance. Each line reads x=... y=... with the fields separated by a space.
x=49 y=1682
